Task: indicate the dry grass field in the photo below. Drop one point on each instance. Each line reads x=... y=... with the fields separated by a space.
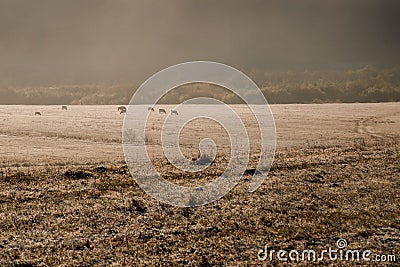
x=68 y=199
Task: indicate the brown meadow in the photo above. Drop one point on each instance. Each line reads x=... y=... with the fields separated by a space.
x=68 y=199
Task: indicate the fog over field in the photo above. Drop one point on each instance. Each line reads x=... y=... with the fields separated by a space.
x=99 y=52
x=97 y=170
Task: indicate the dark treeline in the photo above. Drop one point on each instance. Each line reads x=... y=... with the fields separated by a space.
x=361 y=85
x=366 y=84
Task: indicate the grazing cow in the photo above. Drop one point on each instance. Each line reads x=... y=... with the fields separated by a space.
x=174 y=112
x=38 y=113
x=161 y=110
x=64 y=108
x=150 y=109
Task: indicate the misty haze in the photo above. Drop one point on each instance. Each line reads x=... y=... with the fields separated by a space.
x=92 y=52
x=70 y=196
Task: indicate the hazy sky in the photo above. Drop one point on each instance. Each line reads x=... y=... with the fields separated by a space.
x=79 y=41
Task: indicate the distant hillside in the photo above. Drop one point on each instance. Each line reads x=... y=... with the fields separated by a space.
x=366 y=84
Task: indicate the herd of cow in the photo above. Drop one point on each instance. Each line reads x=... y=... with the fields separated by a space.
x=122 y=110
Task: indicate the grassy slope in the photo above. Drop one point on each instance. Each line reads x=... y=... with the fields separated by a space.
x=97 y=216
